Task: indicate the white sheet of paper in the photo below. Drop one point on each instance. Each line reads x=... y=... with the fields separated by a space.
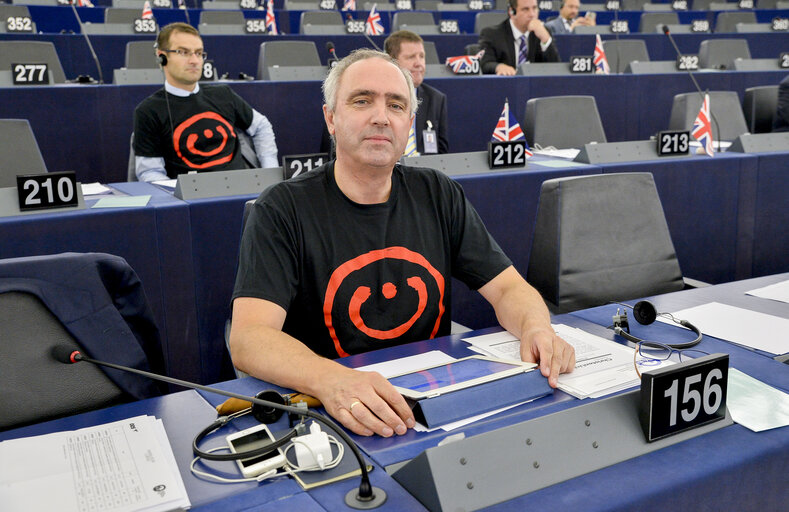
x=777 y=291
x=90 y=189
x=755 y=405
x=119 y=466
x=408 y=364
x=750 y=328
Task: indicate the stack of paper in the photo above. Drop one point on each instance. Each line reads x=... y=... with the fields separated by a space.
x=121 y=466
x=602 y=366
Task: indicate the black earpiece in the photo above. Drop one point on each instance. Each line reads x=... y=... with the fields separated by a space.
x=645 y=313
x=162 y=58
x=268 y=414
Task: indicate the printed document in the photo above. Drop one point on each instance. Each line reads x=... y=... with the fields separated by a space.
x=126 y=465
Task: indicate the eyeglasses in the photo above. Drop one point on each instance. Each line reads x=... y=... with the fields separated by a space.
x=200 y=54
x=651 y=353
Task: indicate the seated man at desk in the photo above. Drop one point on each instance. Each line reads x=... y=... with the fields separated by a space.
x=568 y=18
x=358 y=255
x=431 y=128
x=186 y=127
x=520 y=38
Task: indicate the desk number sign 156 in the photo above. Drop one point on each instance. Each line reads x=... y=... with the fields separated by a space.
x=683 y=396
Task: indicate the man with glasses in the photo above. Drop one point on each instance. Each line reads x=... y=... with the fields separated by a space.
x=185 y=127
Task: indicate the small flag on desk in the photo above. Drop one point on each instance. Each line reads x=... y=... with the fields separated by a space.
x=600 y=62
x=702 y=129
x=464 y=63
x=349 y=5
x=182 y=4
x=271 y=20
x=147 y=13
x=373 y=25
x=508 y=128
x=84 y=3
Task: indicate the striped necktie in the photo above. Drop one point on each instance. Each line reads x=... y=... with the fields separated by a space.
x=522 y=51
x=410 y=147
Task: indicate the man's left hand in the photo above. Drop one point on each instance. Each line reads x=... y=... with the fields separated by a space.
x=553 y=354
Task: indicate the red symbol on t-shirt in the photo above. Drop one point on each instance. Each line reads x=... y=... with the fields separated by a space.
x=208 y=130
x=389 y=290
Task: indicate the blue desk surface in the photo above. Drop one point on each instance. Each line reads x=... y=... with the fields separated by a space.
x=729 y=469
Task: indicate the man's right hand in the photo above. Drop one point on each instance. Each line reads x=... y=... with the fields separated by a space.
x=365 y=402
x=505 y=69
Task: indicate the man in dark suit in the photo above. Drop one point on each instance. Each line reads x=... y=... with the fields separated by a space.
x=781 y=119
x=520 y=38
x=431 y=129
x=568 y=18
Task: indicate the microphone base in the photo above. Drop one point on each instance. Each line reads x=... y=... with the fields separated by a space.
x=352 y=500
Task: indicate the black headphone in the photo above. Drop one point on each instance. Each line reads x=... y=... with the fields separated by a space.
x=264 y=415
x=162 y=58
x=512 y=9
x=645 y=313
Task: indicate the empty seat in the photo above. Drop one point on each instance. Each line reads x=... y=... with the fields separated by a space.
x=727 y=21
x=413 y=20
x=723 y=6
x=140 y=55
x=321 y=22
x=19 y=152
x=222 y=18
x=759 y=105
x=220 y=5
x=125 y=16
x=624 y=51
x=431 y=54
x=701 y=5
x=766 y=4
x=426 y=5
x=8 y=11
x=286 y=54
x=657 y=8
x=650 y=20
x=32 y=51
x=596 y=29
x=601 y=238
x=563 y=121
x=486 y=19
x=720 y=53
x=728 y=121
x=90 y=302
x=633 y=5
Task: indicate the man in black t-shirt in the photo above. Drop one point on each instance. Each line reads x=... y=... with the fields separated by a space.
x=189 y=127
x=359 y=254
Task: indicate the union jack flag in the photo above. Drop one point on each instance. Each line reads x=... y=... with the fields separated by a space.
x=271 y=21
x=508 y=128
x=600 y=62
x=182 y=4
x=372 y=26
x=465 y=63
x=84 y=3
x=147 y=12
x=349 y=5
x=702 y=129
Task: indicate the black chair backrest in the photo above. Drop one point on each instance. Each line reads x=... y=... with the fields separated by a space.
x=563 y=121
x=759 y=105
x=728 y=121
x=601 y=238
x=32 y=51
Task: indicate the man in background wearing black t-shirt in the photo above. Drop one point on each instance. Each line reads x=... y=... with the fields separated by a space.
x=358 y=255
x=186 y=127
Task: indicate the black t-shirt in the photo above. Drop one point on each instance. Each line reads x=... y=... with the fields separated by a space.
x=204 y=125
x=354 y=277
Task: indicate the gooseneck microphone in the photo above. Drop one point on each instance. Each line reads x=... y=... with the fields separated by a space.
x=369 y=39
x=366 y=497
x=693 y=78
x=333 y=59
x=87 y=40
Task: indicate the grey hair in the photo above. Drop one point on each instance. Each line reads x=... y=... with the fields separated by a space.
x=332 y=82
